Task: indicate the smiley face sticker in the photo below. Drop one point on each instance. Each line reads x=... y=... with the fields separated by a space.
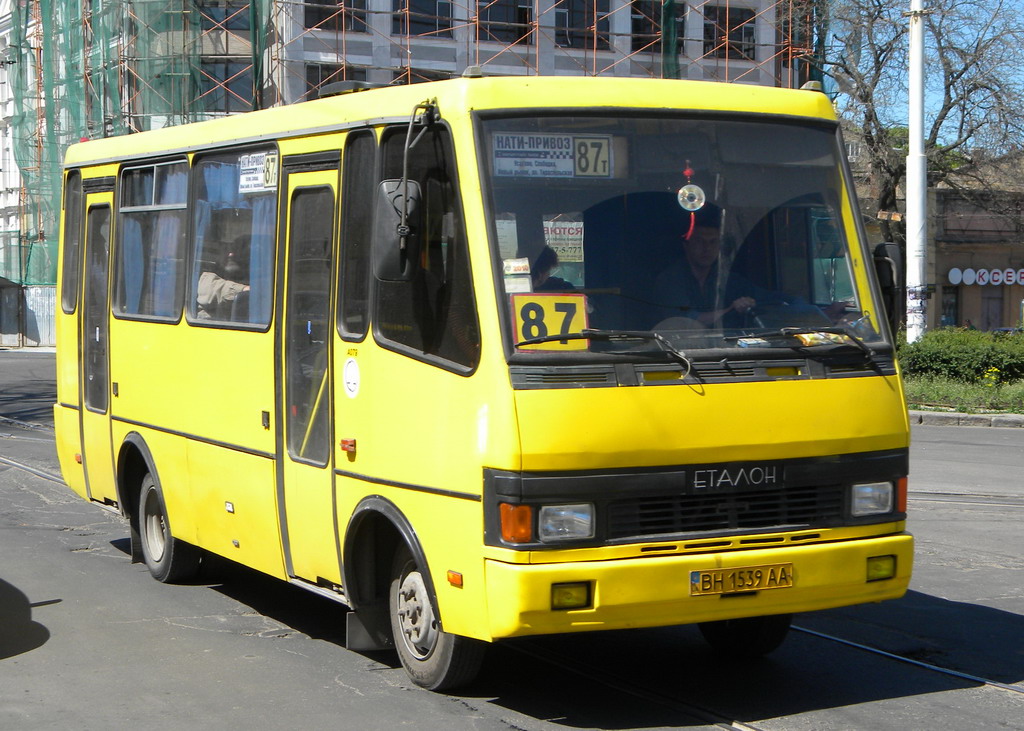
x=350 y=375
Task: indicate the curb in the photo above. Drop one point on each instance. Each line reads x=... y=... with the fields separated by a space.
x=945 y=418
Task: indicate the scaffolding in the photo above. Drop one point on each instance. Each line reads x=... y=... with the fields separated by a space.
x=96 y=68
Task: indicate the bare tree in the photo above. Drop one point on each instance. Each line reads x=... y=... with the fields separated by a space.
x=974 y=93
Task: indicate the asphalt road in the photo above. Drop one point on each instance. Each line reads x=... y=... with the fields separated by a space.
x=89 y=641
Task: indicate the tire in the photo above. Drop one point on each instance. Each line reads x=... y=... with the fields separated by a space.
x=747 y=638
x=168 y=559
x=433 y=658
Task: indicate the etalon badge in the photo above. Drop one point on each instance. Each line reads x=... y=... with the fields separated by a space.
x=691 y=197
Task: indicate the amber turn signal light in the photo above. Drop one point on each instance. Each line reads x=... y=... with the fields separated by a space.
x=516 y=523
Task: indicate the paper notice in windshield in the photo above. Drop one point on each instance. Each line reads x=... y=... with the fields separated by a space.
x=552 y=156
x=566 y=238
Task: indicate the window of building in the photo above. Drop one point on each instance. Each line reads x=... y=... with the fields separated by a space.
x=319 y=75
x=646 y=25
x=729 y=32
x=226 y=86
x=507 y=21
x=422 y=18
x=150 y=257
x=950 y=307
x=417 y=75
x=336 y=15
x=223 y=14
x=233 y=238
x=577 y=21
x=432 y=317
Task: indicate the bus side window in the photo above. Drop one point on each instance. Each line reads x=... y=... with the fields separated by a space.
x=356 y=229
x=151 y=243
x=307 y=325
x=233 y=240
x=434 y=314
x=72 y=271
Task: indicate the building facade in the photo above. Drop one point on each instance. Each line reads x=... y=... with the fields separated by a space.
x=70 y=71
x=976 y=260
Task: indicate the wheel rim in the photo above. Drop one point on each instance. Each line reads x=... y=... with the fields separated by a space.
x=154 y=527
x=416 y=616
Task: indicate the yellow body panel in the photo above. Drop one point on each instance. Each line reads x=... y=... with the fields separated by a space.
x=681 y=424
x=654 y=591
x=223 y=380
x=235 y=504
x=69 y=447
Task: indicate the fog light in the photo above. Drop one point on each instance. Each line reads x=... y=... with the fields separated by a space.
x=881 y=567
x=565 y=522
x=570 y=596
x=872 y=498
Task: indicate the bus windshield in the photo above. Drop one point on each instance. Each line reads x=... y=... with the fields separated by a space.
x=701 y=232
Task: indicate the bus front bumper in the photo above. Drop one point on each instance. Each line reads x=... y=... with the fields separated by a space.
x=656 y=592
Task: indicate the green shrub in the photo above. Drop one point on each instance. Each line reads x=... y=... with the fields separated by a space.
x=928 y=391
x=970 y=356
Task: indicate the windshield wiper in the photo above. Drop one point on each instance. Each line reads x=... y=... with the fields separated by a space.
x=615 y=336
x=794 y=331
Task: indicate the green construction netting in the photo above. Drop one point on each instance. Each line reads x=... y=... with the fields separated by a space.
x=98 y=68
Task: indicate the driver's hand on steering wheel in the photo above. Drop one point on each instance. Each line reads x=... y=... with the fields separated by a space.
x=743 y=305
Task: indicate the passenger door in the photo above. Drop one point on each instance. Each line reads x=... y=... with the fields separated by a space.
x=94 y=393
x=306 y=474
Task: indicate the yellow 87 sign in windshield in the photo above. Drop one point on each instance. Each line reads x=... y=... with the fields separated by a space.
x=547 y=316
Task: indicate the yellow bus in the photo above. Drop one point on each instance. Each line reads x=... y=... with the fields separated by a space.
x=493 y=357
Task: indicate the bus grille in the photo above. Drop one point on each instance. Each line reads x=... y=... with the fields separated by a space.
x=753 y=509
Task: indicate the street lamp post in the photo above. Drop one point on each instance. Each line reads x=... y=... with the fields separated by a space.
x=917 y=180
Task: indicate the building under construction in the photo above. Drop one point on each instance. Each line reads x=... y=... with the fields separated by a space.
x=89 y=68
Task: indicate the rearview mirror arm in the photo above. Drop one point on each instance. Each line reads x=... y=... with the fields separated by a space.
x=428 y=117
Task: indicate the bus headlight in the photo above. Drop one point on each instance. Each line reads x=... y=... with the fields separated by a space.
x=871 y=498
x=565 y=522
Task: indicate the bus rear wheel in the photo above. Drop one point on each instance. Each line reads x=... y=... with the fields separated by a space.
x=433 y=658
x=747 y=638
x=168 y=559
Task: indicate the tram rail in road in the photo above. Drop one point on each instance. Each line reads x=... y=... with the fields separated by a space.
x=993 y=691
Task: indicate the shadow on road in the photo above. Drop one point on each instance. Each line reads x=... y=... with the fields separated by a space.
x=807 y=674
x=650 y=678
x=29 y=400
x=968 y=638
x=18 y=633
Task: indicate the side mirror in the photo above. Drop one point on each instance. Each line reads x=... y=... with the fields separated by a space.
x=396 y=236
x=889 y=269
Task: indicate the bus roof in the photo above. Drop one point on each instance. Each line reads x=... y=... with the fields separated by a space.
x=455 y=97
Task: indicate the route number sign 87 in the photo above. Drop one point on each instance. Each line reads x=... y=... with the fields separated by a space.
x=541 y=315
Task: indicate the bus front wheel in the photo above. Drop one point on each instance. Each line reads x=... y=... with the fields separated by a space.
x=433 y=658
x=168 y=559
x=748 y=637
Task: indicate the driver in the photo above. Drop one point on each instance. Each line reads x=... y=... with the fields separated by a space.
x=691 y=286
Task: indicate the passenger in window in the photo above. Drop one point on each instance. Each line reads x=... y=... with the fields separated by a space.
x=223 y=291
x=544 y=266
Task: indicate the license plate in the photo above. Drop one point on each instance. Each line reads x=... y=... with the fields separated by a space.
x=738 y=580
